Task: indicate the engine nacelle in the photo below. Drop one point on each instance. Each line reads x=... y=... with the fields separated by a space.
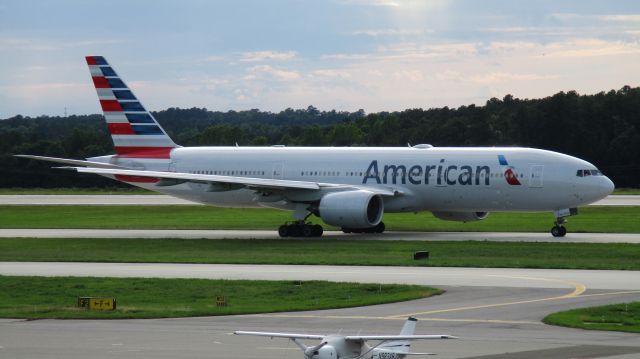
x=351 y=209
x=461 y=216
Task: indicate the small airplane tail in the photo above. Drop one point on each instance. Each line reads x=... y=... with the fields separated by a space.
x=134 y=131
x=402 y=346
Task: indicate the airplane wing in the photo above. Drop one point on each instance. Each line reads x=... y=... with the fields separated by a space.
x=246 y=181
x=281 y=335
x=268 y=183
x=398 y=337
x=68 y=161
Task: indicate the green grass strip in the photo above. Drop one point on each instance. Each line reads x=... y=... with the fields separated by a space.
x=56 y=297
x=617 y=317
x=619 y=256
x=591 y=219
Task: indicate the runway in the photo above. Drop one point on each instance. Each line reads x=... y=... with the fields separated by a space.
x=250 y=234
x=495 y=312
x=162 y=200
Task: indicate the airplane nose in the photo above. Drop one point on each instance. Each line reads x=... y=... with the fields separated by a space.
x=607 y=186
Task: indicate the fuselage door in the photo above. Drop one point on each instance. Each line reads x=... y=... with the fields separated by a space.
x=535 y=176
x=277 y=171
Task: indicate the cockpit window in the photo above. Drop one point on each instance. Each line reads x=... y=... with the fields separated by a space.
x=585 y=173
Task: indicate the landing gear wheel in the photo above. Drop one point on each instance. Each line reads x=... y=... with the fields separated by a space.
x=283 y=231
x=297 y=229
x=379 y=228
x=307 y=230
x=317 y=230
x=558 y=231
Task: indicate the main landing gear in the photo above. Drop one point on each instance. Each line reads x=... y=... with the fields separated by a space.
x=300 y=229
x=377 y=229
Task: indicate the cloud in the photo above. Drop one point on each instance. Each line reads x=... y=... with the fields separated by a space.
x=590 y=47
x=267 y=56
x=392 y=32
x=273 y=72
x=497 y=77
x=618 y=18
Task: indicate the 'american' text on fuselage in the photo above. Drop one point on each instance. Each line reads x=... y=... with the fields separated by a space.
x=445 y=174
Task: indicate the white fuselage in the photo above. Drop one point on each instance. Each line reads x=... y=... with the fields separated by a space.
x=432 y=179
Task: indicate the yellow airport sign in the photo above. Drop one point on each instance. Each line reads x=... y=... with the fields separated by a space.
x=96 y=303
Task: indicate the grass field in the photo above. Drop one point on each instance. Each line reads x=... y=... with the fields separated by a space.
x=44 y=297
x=326 y=252
x=627 y=191
x=591 y=219
x=618 y=317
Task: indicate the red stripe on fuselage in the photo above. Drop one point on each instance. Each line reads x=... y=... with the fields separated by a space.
x=110 y=105
x=143 y=152
x=100 y=82
x=121 y=129
x=136 y=179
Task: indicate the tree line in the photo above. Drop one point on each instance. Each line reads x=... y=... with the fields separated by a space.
x=603 y=128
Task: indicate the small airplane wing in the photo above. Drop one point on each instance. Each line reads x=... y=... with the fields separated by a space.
x=281 y=335
x=398 y=337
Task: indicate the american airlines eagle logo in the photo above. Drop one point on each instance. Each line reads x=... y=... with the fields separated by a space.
x=509 y=174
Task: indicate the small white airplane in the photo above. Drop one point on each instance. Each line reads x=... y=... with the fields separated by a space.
x=355 y=346
x=348 y=187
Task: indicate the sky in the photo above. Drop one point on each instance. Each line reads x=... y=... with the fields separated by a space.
x=376 y=55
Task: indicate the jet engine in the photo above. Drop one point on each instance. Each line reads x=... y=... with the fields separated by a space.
x=461 y=216
x=352 y=209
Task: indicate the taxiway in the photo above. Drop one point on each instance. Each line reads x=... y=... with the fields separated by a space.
x=495 y=312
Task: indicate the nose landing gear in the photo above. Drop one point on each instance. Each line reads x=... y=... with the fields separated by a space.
x=558 y=229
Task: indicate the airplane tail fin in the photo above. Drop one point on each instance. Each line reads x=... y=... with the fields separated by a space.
x=402 y=346
x=134 y=131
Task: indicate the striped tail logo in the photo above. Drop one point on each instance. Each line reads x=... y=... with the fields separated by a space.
x=134 y=131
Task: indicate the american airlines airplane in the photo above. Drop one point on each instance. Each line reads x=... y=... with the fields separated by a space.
x=347 y=187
